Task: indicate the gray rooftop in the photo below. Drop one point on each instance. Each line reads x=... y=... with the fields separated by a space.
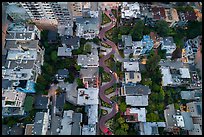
x=15 y=44
x=5 y=129
x=88 y=23
x=63 y=73
x=89 y=72
x=128 y=40
x=137 y=89
x=188 y=122
x=73 y=41
x=64 y=51
x=41 y=102
x=171 y=63
x=12 y=64
x=76 y=127
x=6 y=83
x=38 y=124
x=168 y=41
x=88 y=60
x=3 y=60
x=168 y=114
x=52 y=35
x=16 y=130
x=60 y=101
x=187 y=95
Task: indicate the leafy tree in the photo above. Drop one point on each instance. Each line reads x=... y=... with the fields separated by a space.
x=155 y=87
x=120 y=132
x=125 y=126
x=194 y=29
x=80 y=83
x=54 y=56
x=124 y=30
x=47 y=68
x=78 y=67
x=162 y=28
x=71 y=78
x=121 y=120
x=146 y=81
x=152 y=117
x=177 y=107
x=137 y=31
x=123 y=106
x=101 y=69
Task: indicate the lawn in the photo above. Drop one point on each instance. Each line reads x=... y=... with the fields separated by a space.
x=114 y=12
x=106 y=77
x=109 y=90
x=110 y=63
x=105 y=19
x=28 y=104
x=69 y=106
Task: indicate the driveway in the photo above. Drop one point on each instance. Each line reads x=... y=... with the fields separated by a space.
x=71 y=92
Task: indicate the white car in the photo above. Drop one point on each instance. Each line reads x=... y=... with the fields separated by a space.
x=111 y=71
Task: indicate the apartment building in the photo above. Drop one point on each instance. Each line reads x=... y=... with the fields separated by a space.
x=12 y=102
x=24 y=59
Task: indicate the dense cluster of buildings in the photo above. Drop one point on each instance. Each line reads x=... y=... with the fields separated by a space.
x=68 y=22
x=150 y=13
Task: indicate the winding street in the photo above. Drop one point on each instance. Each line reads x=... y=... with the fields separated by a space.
x=114 y=77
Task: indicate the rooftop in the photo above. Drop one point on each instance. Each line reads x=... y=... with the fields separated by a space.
x=60 y=100
x=52 y=36
x=76 y=127
x=130 y=10
x=127 y=39
x=87 y=96
x=73 y=41
x=92 y=113
x=131 y=66
x=41 y=102
x=188 y=122
x=132 y=77
x=89 y=72
x=89 y=129
x=158 y=13
x=139 y=114
x=22 y=44
x=29 y=129
x=63 y=73
x=166 y=78
x=39 y=124
x=88 y=60
x=64 y=51
x=137 y=100
x=168 y=115
x=136 y=89
x=185 y=73
x=66 y=123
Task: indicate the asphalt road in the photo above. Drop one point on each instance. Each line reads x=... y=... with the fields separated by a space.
x=114 y=78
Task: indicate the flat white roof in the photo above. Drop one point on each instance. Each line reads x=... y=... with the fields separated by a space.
x=179 y=121
x=137 y=100
x=89 y=129
x=131 y=66
x=167 y=77
x=17 y=54
x=66 y=127
x=92 y=114
x=141 y=113
x=87 y=96
x=185 y=73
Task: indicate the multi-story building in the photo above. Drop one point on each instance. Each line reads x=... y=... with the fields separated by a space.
x=49 y=15
x=130 y=10
x=41 y=124
x=168 y=44
x=22 y=31
x=87 y=28
x=23 y=61
x=12 y=102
